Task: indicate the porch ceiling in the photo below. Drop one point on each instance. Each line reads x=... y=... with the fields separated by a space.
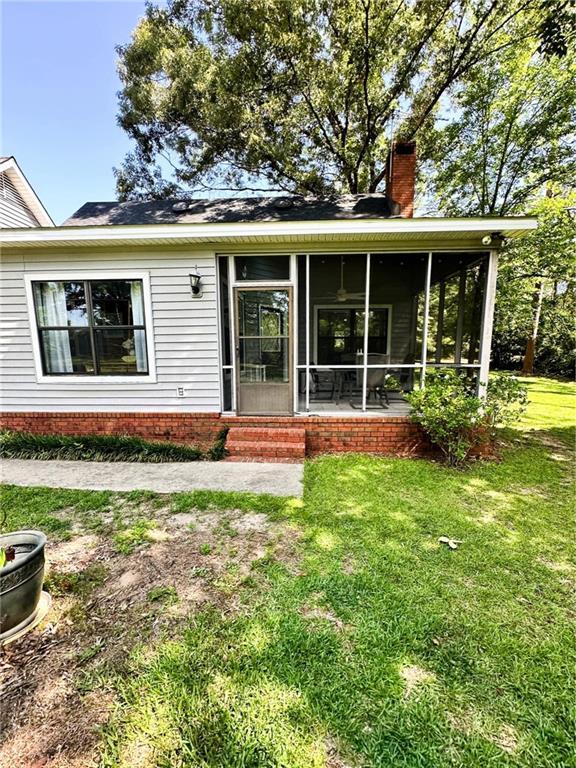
x=421 y=233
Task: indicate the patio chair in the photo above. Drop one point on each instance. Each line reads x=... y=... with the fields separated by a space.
x=375 y=381
x=375 y=385
x=323 y=384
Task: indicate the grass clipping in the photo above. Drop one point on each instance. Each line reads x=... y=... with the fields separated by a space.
x=23 y=445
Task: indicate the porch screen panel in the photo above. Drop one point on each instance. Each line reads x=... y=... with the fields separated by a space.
x=456 y=299
x=398 y=280
x=262 y=268
x=445 y=340
x=334 y=300
x=337 y=298
x=470 y=373
x=300 y=340
x=225 y=333
x=475 y=291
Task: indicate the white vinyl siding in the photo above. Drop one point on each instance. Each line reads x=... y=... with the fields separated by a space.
x=184 y=332
x=13 y=210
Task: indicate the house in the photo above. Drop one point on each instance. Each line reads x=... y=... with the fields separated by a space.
x=20 y=206
x=281 y=318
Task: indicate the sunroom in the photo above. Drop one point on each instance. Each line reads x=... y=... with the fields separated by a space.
x=349 y=333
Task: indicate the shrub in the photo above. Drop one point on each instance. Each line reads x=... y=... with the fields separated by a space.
x=449 y=411
x=506 y=400
x=218 y=450
x=391 y=382
x=456 y=419
x=23 y=445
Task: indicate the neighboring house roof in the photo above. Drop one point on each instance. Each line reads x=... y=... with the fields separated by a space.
x=233 y=210
x=20 y=206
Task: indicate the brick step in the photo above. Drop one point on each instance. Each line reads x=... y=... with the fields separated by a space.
x=275 y=434
x=266 y=443
x=256 y=449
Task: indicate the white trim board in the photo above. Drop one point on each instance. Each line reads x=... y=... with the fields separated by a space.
x=214 y=232
x=79 y=274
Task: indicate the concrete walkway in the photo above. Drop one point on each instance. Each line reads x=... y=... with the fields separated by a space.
x=277 y=479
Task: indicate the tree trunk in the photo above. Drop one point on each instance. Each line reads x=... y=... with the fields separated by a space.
x=529 y=355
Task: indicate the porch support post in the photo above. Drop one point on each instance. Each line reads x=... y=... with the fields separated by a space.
x=460 y=319
x=425 y=325
x=233 y=352
x=294 y=351
x=487 y=322
x=366 y=328
x=307 y=332
x=440 y=327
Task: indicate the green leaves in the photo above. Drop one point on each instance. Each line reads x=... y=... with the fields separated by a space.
x=544 y=257
x=506 y=401
x=512 y=137
x=294 y=95
x=455 y=418
x=21 y=445
x=449 y=412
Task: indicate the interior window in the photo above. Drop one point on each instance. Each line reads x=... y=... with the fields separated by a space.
x=91 y=327
x=341 y=333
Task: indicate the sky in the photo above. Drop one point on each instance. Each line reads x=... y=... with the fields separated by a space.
x=59 y=96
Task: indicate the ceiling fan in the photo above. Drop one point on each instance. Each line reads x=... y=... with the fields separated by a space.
x=342 y=294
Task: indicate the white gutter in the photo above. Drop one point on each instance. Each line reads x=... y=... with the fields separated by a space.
x=507 y=226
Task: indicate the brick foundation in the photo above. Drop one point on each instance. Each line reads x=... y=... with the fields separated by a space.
x=192 y=428
x=327 y=434
x=393 y=436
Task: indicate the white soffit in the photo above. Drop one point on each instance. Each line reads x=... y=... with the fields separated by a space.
x=424 y=231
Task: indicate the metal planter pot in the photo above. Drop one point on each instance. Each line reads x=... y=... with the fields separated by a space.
x=21 y=581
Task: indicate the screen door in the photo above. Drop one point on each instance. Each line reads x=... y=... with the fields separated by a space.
x=263 y=352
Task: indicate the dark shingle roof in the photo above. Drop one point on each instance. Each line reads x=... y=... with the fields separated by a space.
x=233 y=210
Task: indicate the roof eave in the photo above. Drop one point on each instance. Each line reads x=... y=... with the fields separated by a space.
x=388 y=229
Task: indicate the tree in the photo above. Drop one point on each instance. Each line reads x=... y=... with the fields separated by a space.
x=512 y=141
x=557 y=27
x=295 y=95
x=513 y=136
x=537 y=293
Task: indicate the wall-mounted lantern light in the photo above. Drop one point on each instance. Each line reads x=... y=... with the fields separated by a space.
x=195 y=285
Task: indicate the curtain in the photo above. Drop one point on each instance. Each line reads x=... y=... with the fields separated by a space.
x=137 y=301
x=51 y=310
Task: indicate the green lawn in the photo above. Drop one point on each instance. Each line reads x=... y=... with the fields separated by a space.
x=552 y=404
x=358 y=639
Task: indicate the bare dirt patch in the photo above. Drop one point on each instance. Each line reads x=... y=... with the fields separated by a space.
x=50 y=716
x=349 y=566
x=413 y=677
x=470 y=722
x=506 y=739
x=334 y=757
x=315 y=609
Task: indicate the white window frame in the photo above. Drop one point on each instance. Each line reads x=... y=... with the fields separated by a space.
x=78 y=275
x=346 y=305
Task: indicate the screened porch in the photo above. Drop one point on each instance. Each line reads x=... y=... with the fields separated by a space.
x=347 y=333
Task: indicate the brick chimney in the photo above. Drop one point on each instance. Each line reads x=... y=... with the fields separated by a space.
x=400 y=176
